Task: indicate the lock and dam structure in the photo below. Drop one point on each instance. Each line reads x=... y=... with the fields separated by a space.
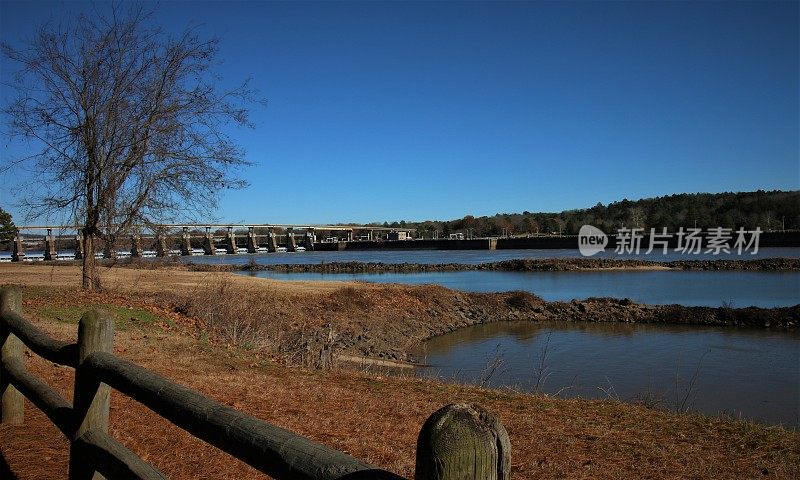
x=32 y=243
x=53 y=243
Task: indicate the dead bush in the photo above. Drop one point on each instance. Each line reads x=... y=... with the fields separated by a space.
x=264 y=321
x=231 y=314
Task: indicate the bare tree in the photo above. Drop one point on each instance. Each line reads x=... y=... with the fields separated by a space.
x=131 y=124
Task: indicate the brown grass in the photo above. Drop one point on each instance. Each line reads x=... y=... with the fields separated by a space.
x=371 y=416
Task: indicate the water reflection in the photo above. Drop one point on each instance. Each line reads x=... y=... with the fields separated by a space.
x=749 y=372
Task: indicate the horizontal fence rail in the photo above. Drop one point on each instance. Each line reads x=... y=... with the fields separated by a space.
x=62 y=353
x=270 y=449
x=459 y=441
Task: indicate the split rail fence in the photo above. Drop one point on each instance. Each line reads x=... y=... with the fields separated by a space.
x=459 y=441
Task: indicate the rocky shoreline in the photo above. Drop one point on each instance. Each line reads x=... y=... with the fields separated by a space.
x=522 y=265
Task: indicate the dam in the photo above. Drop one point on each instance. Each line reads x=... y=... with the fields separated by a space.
x=232 y=239
x=201 y=239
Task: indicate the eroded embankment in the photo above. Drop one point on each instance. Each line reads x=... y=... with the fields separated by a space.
x=390 y=321
x=298 y=322
x=522 y=265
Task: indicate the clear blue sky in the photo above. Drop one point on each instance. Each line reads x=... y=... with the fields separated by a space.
x=414 y=111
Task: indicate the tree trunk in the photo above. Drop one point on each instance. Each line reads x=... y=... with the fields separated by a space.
x=91 y=278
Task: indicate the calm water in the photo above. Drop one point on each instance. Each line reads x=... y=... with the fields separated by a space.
x=461 y=256
x=703 y=288
x=750 y=373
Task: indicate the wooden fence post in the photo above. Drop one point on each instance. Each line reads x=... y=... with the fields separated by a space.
x=463 y=442
x=12 y=405
x=91 y=400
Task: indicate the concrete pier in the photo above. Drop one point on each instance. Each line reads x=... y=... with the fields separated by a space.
x=308 y=240
x=186 y=242
x=108 y=248
x=231 y=249
x=161 y=245
x=272 y=243
x=208 y=243
x=18 y=252
x=50 y=246
x=291 y=245
x=252 y=244
x=136 y=246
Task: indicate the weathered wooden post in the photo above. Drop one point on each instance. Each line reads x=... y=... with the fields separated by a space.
x=92 y=399
x=12 y=406
x=463 y=441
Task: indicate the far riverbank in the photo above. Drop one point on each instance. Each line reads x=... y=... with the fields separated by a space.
x=519 y=265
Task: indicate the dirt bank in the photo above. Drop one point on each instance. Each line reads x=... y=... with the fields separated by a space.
x=391 y=321
x=386 y=321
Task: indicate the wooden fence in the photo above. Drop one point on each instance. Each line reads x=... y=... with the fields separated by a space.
x=459 y=441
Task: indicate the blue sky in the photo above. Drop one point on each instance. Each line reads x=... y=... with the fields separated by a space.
x=388 y=111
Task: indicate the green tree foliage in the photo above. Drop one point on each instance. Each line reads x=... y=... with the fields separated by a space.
x=7 y=228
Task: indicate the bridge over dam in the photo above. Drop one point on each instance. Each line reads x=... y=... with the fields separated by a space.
x=33 y=243
x=58 y=242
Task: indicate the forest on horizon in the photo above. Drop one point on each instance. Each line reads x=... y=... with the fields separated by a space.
x=768 y=210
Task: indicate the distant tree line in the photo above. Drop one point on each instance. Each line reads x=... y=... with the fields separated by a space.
x=773 y=210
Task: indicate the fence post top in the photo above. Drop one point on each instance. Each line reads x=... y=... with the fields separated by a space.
x=461 y=412
x=97 y=317
x=95 y=333
x=463 y=441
